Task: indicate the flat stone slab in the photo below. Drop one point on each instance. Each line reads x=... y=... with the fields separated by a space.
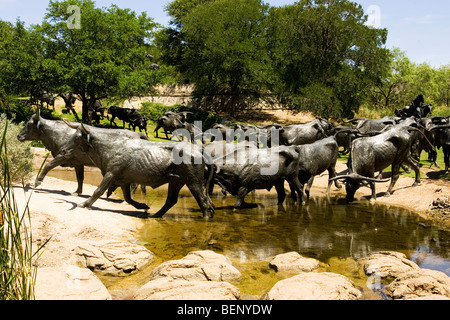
x=114 y=257
x=419 y=283
x=199 y=265
x=69 y=283
x=293 y=262
x=175 y=289
x=387 y=264
x=314 y=286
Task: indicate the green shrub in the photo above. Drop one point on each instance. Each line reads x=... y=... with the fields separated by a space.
x=20 y=155
x=153 y=111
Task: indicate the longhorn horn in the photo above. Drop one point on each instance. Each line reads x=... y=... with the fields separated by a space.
x=353 y=120
x=356 y=176
x=70 y=125
x=85 y=130
x=423 y=135
x=439 y=127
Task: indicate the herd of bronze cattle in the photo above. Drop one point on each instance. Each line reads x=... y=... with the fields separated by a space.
x=261 y=158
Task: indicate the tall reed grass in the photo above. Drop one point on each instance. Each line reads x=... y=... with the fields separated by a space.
x=17 y=260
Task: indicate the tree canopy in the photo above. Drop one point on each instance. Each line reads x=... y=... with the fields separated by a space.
x=312 y=55
x=105 y=56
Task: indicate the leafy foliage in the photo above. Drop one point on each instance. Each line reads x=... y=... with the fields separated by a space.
x=20 y=155
x=221 y=47
x=325 y=56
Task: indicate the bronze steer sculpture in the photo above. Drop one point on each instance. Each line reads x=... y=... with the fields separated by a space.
x=299 y=134
x=123 y=162
x=172 y=121
x=249 y=168
x=370 y=155
x=55 y=135
x=316 y=158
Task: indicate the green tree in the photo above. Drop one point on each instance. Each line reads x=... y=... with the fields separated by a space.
x=443 y=80
x=221 y=46
x=392 y=90
x=25 y=68
x=106 y=56
x=325 y=56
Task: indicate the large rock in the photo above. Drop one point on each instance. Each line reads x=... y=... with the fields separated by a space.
x=199 y=265
x=419 y=283
x=293 y=262
x=314 y=286
x=114 y=257
x=171 y=289
x=387 y=264
x=69 y=283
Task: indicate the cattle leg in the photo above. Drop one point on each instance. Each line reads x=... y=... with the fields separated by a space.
x=172 y=198
x=309 y=185
x=395 y=176
x=240 y=203
x=332 y=174
x=297 y=187
x=112 y=121
x=107 y=181
x=126 y=189
x=156 y=131
x=374 y=192
x=79 y=171
x=415 y=166
x=446 y=157
x=58 y=160
x=280 y=192
x=203 y=200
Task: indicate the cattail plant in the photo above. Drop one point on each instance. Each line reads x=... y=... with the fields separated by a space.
x=17 y=260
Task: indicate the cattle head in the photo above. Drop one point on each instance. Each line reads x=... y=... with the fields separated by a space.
x=31 y=129
x=353 y=182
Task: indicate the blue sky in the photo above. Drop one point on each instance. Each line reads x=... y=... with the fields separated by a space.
x=418 y=27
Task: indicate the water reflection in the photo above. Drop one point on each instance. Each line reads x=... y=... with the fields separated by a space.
x=322 y=229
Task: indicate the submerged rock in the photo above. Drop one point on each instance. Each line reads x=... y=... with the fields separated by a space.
x=314 y=286
x=293 y=262
x=419 y=283
x=199 y=265
x=69 y=283
x=114 y=257
x=172 y=289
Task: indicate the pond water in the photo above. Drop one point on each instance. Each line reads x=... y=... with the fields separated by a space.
x=329 y=230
